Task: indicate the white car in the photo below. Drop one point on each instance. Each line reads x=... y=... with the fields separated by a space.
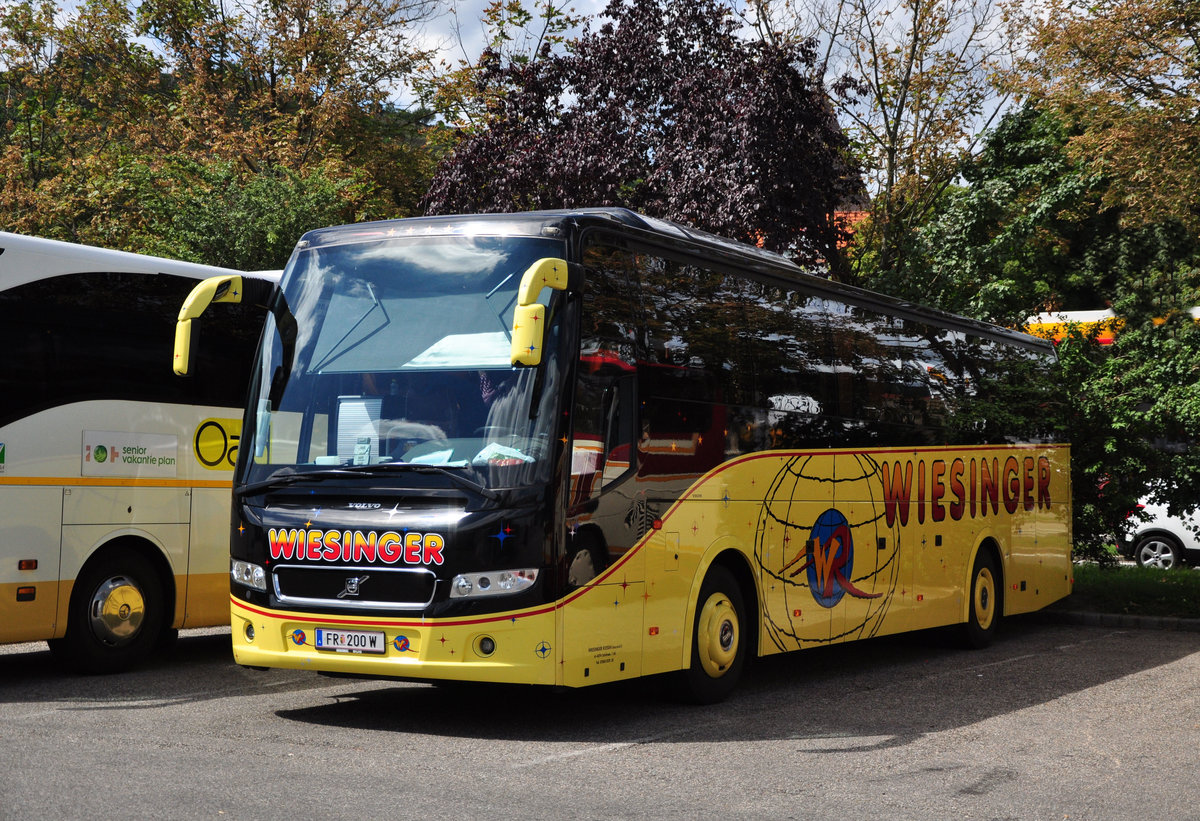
x=1161 y=540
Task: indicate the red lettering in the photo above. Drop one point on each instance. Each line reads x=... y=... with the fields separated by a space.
x=1027 y=484
x=1043 y=482
x=956 y=487
x=333 y=546
x=314 y=545
x=364 y=546
x=412 y=548
x=989 y=486
x=283 y=543
x=433 y=549
x=973 y=487
x=921 y=492
x=1012 y=484
x=896 y=492
x=389 y=547
x=937 y=490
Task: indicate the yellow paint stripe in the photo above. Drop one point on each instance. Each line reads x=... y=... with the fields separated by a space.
x=113 y=481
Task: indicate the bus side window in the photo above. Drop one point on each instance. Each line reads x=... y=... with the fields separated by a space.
x=605 y=417
x=605 y=420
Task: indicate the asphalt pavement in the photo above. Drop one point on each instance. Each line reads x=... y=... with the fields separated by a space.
x=1055 y=720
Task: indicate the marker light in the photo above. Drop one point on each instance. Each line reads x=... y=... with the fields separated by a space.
x=250 y=575
x=493 y=583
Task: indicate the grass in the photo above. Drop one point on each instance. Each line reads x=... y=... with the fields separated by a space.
x=1138 y=591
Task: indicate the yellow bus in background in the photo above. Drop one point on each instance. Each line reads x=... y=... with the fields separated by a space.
x=1055 y=325
x=567 y=448
x=114 y=474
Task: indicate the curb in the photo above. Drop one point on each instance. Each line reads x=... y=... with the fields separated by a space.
x=1123 y=620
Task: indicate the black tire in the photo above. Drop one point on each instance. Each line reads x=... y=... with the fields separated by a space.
x=1158 y=550
x=117 y=615
x=986 y=603
x=718 y=639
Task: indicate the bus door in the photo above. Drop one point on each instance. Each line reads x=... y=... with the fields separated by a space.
x=605 y=578
x=30 y=531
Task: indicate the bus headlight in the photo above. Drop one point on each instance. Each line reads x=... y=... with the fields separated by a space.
x=494 y=583
x=250 y=575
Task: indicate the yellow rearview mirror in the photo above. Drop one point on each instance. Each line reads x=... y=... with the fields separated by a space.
x=214 y=289
x=529 y=318
x=527 y=334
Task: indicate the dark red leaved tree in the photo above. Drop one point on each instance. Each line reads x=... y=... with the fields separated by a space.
x=665 y=110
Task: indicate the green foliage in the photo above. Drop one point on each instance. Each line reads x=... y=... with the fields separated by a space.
x=221 y=217
x=1033 y=231
x=106 y=141
x=1125 y=74
x=1134 y=591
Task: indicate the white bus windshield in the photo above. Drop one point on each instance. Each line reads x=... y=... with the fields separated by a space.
x=402 y=356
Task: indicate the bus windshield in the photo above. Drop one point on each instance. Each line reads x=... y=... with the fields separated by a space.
x=392 y=354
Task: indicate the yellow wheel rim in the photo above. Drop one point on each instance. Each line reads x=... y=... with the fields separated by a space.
x=717 y=635
x=985 y=598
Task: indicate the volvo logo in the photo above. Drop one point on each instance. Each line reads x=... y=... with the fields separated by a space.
x=353 y=584
x=364 y=505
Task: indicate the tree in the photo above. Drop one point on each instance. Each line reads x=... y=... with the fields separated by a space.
x=1035 y=229
x=218 y=215
x=280 y=81
x=1126 y=74
x=663 y=109
x=100 y=131
x=464 y=94
x=77 y=100
x=914 y=94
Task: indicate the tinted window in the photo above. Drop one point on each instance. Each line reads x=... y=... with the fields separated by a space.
x=111 y=336
x=1003 y=394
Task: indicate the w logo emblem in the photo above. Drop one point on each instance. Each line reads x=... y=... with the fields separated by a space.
x=829 y=559
x=353 y=583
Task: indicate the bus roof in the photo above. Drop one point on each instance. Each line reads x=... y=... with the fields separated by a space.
x=26 y=259
x=684 y=240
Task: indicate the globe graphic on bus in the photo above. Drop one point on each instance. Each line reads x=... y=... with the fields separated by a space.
x=830 y=562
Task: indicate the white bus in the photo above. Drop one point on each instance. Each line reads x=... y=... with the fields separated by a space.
x=114 y=473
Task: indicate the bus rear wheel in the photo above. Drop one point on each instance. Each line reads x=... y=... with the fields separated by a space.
x=116 y=616
x=718 y=639
x=986 y=604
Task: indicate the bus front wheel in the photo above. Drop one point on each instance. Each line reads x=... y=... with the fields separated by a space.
x=116 y=617
x=718 y=639
x=986 y=604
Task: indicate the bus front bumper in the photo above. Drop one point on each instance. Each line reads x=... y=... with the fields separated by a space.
x=514 y=647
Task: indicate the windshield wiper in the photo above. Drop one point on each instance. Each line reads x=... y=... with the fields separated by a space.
x=284 y=477
x=336 y=352
x=416 y=467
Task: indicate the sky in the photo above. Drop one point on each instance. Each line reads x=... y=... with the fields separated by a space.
x=457 y=33
x=443 y=33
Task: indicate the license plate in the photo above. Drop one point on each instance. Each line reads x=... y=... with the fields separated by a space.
x=351 y=641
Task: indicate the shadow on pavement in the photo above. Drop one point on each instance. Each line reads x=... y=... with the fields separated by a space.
x=867 y=695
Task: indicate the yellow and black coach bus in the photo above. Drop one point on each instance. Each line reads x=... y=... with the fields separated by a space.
x=567 y=448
